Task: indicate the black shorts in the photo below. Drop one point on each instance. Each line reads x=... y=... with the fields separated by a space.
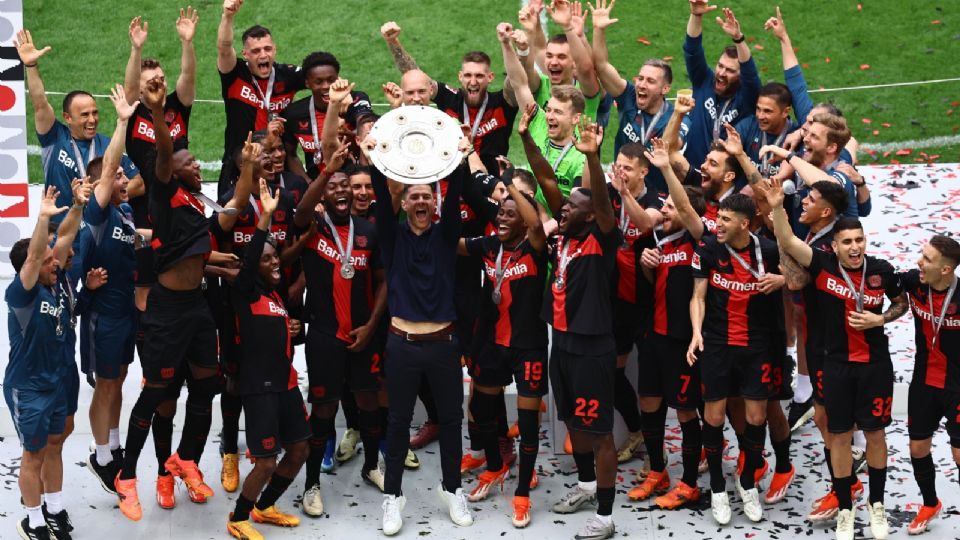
x=663 y=371
x=782 y=375
x=582 y=371
x=146 y=275
x=856 y=393
x=178 y=329
x=629 y=326
x=496 y=365
x=815 y=368
x=274 y=420
x=729 y=370
x=927 y=406
x=330 y=365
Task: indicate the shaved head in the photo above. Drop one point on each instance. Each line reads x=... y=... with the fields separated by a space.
x=417 y=87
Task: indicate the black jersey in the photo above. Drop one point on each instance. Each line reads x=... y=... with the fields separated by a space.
x=513 y=321
x=298 y=131
x=630 y=285
x=281 y=226
x=142 y=146
x=835 y=300
x=937 y=363
x=337 y=305
x=815 y=326
x=737 y=313
x=579 y=299
x=180 y=226
x=493 y=128
x=244 y=96
x=673 y=285
x=265 y=361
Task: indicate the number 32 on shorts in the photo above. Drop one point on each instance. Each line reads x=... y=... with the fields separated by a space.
x=881 y=407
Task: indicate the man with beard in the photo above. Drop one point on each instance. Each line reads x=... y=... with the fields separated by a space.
x=857 y=370
x=723 y=96
x=770 y=124
x=488 y=114
x=66 y=147
x=934 y=390
x=180 y=333
x=719 y=172
x=254 y=91
x=644 y=110
x=307 y=121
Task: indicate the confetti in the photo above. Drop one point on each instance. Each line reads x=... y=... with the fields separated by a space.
x=867 y=121
x=758 y=47
x=864 y=67
x=644 y=40
x=935 y=22
x=827 y=59
x=904 y=151
x=886 y=124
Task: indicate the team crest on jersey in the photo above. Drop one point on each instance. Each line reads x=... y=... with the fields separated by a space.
x=278 y=87
x=170 y=117
x=279 y=215
x=874 y=282
x=360 y=241
x=952 y=309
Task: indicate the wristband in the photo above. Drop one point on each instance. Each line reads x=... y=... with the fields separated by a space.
x=740 y=39
x=30 y=65
x=523 y=53
x=790 y=156
x=507 y=177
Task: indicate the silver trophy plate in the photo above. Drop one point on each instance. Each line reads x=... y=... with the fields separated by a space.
x=416 y=144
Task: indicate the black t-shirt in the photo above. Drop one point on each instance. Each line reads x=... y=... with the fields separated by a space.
x=673 y=285
x=494 y=128
x=579 y=300
x=180 y=226
x=266 y=360
x=281 y=226
x=335 y=305
x=630 y=285
x=298 y=132
x=142 y=146
x=514 y=322
x=294 y=184
x=243 y=97
x=737 y=313
x=936 y=363
x=835 y=300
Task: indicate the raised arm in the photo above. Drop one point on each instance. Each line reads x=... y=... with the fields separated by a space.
x=43 y=115
x=531 y=218
x=562 y=13
x=250 y=155
x=153 y=99
x=541 y=168
x=401 y=58
x=610 y=79
x=187 y=81
x=314 y=193
x=516 y=75
x=695 y=23
x=588 y=145
x=809 y=173
x=339 y=96
x=226 y=55
x=731 y=27
x=775 y=26
x=37 y=251
x=131 y=77
x=645 y=219
x=734 y=146
x=529 y=17
x=70 y=225
x=789 y=243
x=114 y=152
x=691 y=220
x=795 y=276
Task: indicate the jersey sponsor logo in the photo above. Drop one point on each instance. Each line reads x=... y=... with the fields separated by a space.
x=676 y=258
x=733 y=285
x=517 y=270
x=241 y=236
x=46 y=308
x=307 y=143
x=243 y=91
x=144 y=129
x=728 y=117
x=839 y=289
x=265 y=306
x=118 y=234
x=920 y=310
x=322 y=246
x=64 y=158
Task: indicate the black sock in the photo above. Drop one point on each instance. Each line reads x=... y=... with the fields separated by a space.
x=476 y=439
x=652 y=424
x=826 y=457
x=605 y=500
x=196 y=423
x=878 y=483
x=625 y=401
x=713 y=445
x=162 y=430
x=483 y=408
x=241 y=512
x=926 y=475
x=586 y=472
x=321 y=429
x=278 y=484
x=754 y=438
x=230 y=408
x=528 y=422
x=841 y=486
x=351 y=413
x=139 y=426
x=503 y=425
x=781 y=449
x=690 y=447
x=370 y=434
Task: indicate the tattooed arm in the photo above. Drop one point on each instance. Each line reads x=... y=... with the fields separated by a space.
x=797 y=278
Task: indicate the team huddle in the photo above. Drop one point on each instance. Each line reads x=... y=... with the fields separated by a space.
x=723 y=244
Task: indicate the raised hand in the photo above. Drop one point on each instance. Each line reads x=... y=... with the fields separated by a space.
x=393 y=94
x=340 y=90
x=96 y=278
x=119 y=98
x=231 y=7
x=658 y=156
x=520 y=40
x=730 y=24
x=775 y=26
x=524 y=126
x=187 y=23
x=339 y=157
x=138 y=32
x=29 y=54
x=153 y=95
x=700 y=7
x=81 y=190
x=390 y=31
x=48 y=206
x=733 y=144
x=774 y=193
x=578 y=18
x=505 y=32
x=529 y=18
x=367 y=145
x=685 y=104
x=561 y=12
x=779 y=153
x=276 y=126
x=589 y=136
x=601 y=13
x=252 y=151
x=268 y=201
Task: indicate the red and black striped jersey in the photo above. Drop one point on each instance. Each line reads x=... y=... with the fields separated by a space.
x=181 y=228
x=243 y=97
x=336 y=305
x=281 y=226
x=673 y=286
x=493 y=129
x=835 y=300
x=814 y=326
x=298 y=131
x=630 y=286
x=265 y=363
x=514 y=321
x=937 y=364
x=581 y=276
x=737 y=313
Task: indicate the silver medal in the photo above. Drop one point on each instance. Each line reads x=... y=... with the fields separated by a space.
x=558 y=283
x=347 y=271
x=497 y=296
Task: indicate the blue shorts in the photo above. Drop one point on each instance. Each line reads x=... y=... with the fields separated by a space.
x=36 y=415
x=106 y=344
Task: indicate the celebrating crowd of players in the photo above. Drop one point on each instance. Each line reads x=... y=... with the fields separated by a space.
x=723 y=245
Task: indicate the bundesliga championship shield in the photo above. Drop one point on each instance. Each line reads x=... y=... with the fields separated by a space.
x=416 y=144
